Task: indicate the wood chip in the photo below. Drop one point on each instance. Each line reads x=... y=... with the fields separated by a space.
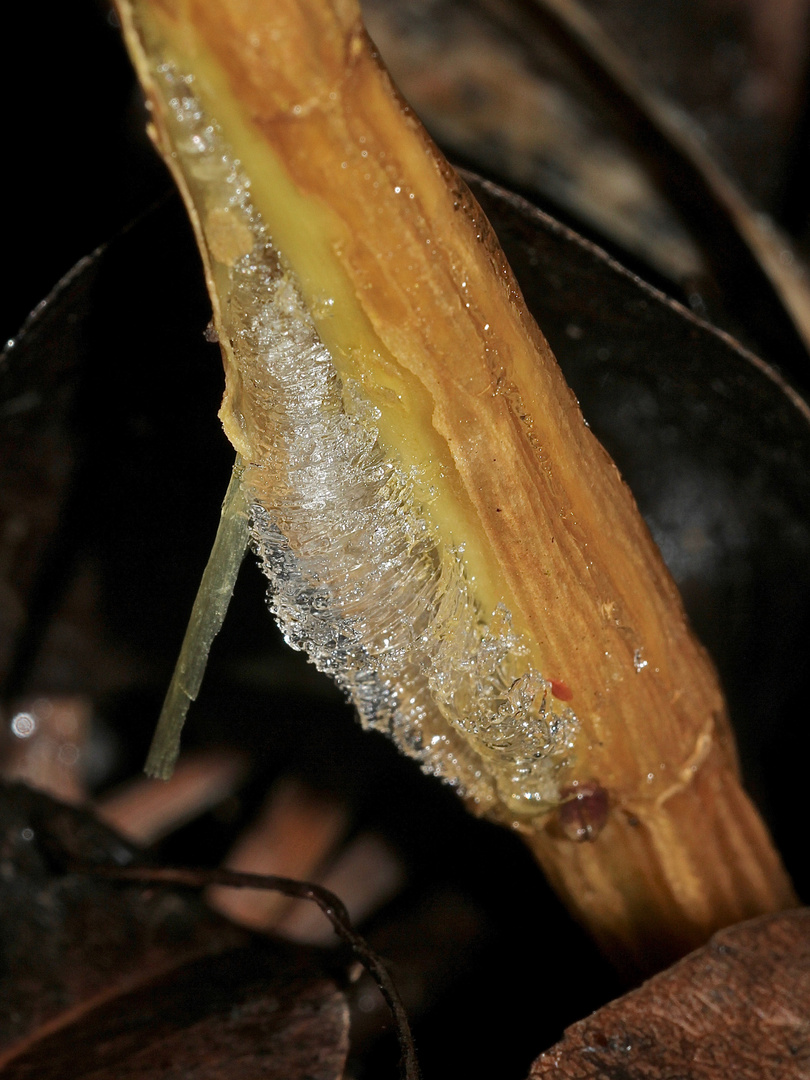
x=738 y=1008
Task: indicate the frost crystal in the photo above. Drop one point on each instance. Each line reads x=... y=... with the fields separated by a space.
x=357 y=578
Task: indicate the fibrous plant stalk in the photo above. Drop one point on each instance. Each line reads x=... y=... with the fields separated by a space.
x=442 y=533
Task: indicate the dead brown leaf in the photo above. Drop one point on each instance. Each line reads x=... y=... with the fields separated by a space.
x=739 y=1007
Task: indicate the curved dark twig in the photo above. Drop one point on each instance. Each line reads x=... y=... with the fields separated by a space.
x=331 y=905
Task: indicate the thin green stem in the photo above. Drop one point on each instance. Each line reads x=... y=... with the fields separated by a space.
x=205 y=622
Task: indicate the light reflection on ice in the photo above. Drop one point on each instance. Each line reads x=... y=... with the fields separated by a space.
x=357 y=579
x=23 y=725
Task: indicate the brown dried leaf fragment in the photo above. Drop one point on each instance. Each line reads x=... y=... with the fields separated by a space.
x=243 y=1015
x=739 y=1007
x=68 y=940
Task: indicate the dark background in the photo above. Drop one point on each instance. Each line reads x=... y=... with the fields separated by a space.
x=77 y=163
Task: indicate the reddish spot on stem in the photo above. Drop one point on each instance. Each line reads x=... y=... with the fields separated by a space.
x=584 y=812
x=560 y=689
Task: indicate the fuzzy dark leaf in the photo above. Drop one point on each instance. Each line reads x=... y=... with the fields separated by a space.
x=67 y=938
x=110 y=979
x=245 y=1014
x=738 y=66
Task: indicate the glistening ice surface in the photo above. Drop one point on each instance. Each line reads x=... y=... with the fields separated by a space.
x=358 y=579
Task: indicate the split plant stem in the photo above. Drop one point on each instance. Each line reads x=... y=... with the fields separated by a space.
x=443 y=534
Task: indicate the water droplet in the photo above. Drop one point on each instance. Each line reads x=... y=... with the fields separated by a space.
x=639 y=663
x=23 y=725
